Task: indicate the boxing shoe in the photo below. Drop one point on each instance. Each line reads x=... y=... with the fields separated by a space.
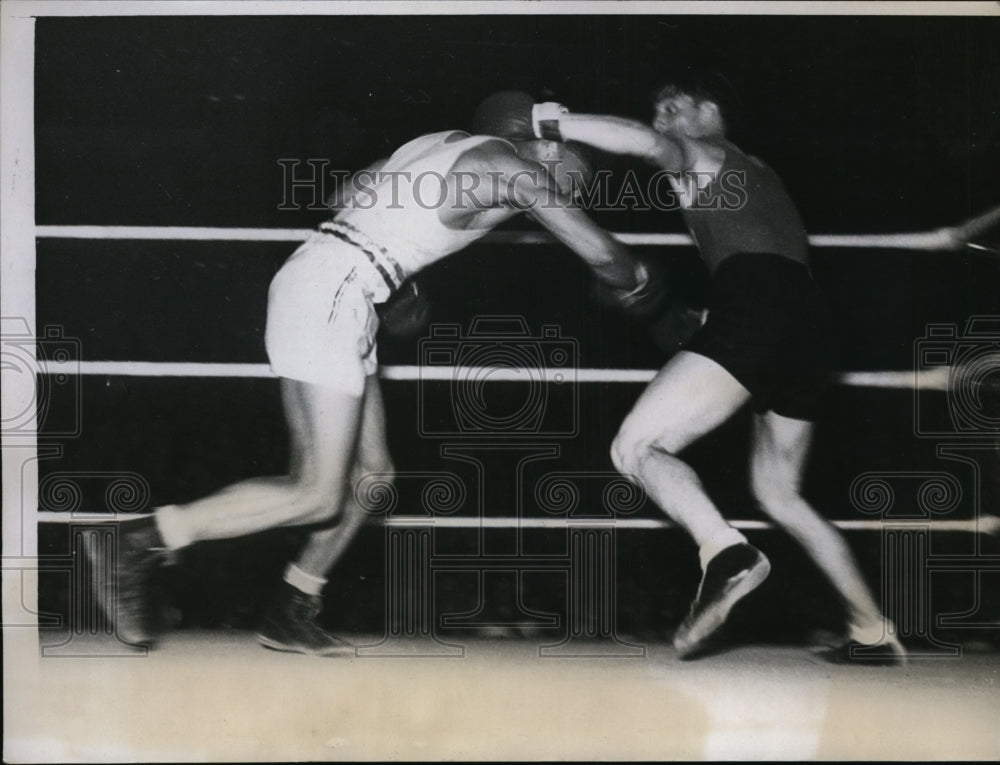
x=731 y=575
x=290 y=625
x=872 y=646
x=122 y=583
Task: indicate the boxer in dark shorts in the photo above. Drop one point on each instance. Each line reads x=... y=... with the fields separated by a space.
x=767 y=343
x=769 y=328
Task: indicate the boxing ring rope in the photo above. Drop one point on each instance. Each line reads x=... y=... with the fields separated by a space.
x=939 y=239
x=930 y=379
x=943 y=239
x=984 y=524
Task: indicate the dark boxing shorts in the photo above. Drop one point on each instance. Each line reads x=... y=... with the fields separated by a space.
x=769 y=326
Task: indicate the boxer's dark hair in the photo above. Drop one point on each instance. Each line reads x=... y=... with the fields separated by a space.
x=703 y=86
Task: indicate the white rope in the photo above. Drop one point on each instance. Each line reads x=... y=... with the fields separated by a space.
x=924 y=379
x=155 y=369
x=941 y=239
x=933 y=379
x=175 y=233
x=516 y=374
x=987 y=524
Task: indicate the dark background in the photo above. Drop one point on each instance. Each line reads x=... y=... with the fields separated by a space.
x=875 y=125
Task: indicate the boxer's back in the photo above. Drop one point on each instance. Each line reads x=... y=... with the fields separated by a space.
x=400 y=206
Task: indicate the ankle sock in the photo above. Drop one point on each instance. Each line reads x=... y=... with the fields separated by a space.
x=871 y=633
x=300 y=580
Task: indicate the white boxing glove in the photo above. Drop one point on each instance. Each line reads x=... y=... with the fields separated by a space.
x=545 y=120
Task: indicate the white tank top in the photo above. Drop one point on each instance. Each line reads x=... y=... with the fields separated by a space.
x=400 y=212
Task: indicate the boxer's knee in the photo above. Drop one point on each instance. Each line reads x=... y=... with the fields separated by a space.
x=381 y=472
x=770 y=494
x=629 y=451
x=635 y=450
x=371 y=488
x=316 y=502
x=776 y=493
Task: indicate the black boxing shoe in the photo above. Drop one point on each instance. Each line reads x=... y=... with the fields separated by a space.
x=122 y=583
x=730 y=576
x=290 y=625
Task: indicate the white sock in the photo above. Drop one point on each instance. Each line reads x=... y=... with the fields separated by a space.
x=307 y=583
x=872 y=633
x=719 y=542
x=171 y=524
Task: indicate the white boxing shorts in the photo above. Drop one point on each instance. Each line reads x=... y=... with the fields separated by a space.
x=321 y=320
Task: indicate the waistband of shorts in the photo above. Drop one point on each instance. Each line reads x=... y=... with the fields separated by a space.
x=390 y=271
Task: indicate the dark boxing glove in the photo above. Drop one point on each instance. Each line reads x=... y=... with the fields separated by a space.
x=671 y=331
x=405 y=314
x=646 y=298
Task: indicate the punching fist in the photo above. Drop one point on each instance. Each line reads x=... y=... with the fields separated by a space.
x=645 y=299
x=545 y=120
x=678 y=324
x=406 y=313
x=514 y=115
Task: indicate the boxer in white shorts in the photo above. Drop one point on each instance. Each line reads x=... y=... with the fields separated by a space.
x=432 y=197
x=313 y=337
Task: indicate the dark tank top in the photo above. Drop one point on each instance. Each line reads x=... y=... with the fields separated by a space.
x=746 y=208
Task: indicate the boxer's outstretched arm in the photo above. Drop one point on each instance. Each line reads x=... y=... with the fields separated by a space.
x=629 y=283
x=527 y=187
x=609 y=259
x=618 y=135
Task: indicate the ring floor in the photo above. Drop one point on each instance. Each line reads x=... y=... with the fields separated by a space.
x=214 y=695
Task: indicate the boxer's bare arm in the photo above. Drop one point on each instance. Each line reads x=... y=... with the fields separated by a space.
x=618 y=135
x=529 y=188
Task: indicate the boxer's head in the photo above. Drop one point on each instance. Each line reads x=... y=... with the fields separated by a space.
x=507 y=115
x=697 y=104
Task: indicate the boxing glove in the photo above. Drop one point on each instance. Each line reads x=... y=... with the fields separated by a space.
x=645 y=299
x=406 y=313
x=678 y=324
x=545 y=120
